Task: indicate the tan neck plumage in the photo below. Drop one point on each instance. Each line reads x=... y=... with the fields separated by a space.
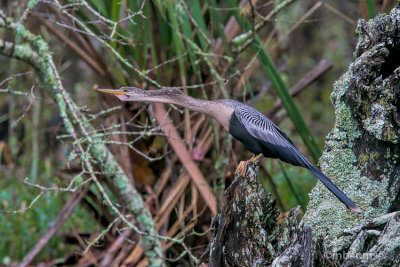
x=215 y=109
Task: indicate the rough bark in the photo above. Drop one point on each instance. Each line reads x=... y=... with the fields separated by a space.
x=361 y=156
x=246 y=232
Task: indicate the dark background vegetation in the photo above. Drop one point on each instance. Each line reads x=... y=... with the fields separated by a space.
x=35 y=159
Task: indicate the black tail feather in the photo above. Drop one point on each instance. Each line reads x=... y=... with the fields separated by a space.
x=336 y=191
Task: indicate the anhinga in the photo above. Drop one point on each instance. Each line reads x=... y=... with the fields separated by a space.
x=257 y=133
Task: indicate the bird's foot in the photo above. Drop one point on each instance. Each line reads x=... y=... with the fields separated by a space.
x=242 y=168
x=256 y=159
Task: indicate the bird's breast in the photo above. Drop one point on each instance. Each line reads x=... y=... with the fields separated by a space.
x=221 y=113
x=237 y=130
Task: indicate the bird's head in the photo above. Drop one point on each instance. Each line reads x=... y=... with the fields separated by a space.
x=165 y=95
x=126 y=93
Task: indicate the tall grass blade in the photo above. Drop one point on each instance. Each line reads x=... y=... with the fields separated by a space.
x=371 y=9
x=279 y=86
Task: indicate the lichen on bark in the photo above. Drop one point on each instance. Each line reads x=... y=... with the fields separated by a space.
x=361 y=151
x=35 y=51
x=246 y=232
x=361 y=156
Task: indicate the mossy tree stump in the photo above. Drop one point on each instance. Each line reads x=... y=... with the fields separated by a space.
x=361 y=156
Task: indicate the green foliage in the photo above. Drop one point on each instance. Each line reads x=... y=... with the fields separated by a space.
x=21 y=225
x=371 y=9
x=280 y=87
x=301 y=180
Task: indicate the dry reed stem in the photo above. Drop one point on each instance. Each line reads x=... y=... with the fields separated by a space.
x=184 y=156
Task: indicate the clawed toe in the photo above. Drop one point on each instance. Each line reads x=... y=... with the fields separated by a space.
x=256 y=159
x=241 y=168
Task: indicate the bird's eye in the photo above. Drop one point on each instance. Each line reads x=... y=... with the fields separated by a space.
x=125 y=90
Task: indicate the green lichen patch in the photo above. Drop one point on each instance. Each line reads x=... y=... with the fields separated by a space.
x=373 y=94
x=341 y=164
x=361 y=151
x=247 y=233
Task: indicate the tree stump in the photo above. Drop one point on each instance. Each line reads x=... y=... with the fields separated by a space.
x=361 y=156
x=246 y=232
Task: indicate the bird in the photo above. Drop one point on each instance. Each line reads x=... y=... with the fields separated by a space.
x=252 y=128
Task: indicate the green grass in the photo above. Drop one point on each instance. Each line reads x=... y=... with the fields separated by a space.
x=371 y=9
x=301 y=180
x=19 y=231
x=280 y=87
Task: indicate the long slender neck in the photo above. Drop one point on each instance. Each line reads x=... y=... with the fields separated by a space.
x=215 y=109
x=178 y=98
x=194 y=104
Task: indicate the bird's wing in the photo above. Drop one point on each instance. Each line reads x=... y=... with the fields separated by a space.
x=262 y=128
x=277 y=144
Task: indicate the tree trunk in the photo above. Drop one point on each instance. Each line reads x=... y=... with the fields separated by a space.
x=361 y=156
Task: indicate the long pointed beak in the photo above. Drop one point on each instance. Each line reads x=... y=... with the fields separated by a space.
x=112 y=91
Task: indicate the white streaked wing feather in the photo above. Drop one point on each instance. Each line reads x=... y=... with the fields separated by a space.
x=260 y=127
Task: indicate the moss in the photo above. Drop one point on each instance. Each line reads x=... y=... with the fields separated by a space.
x=375 y=123
x=361 y=150
x=32 y=3
x=340 y=163
x=42 y=61
x=364 y=158
x=24 y=51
